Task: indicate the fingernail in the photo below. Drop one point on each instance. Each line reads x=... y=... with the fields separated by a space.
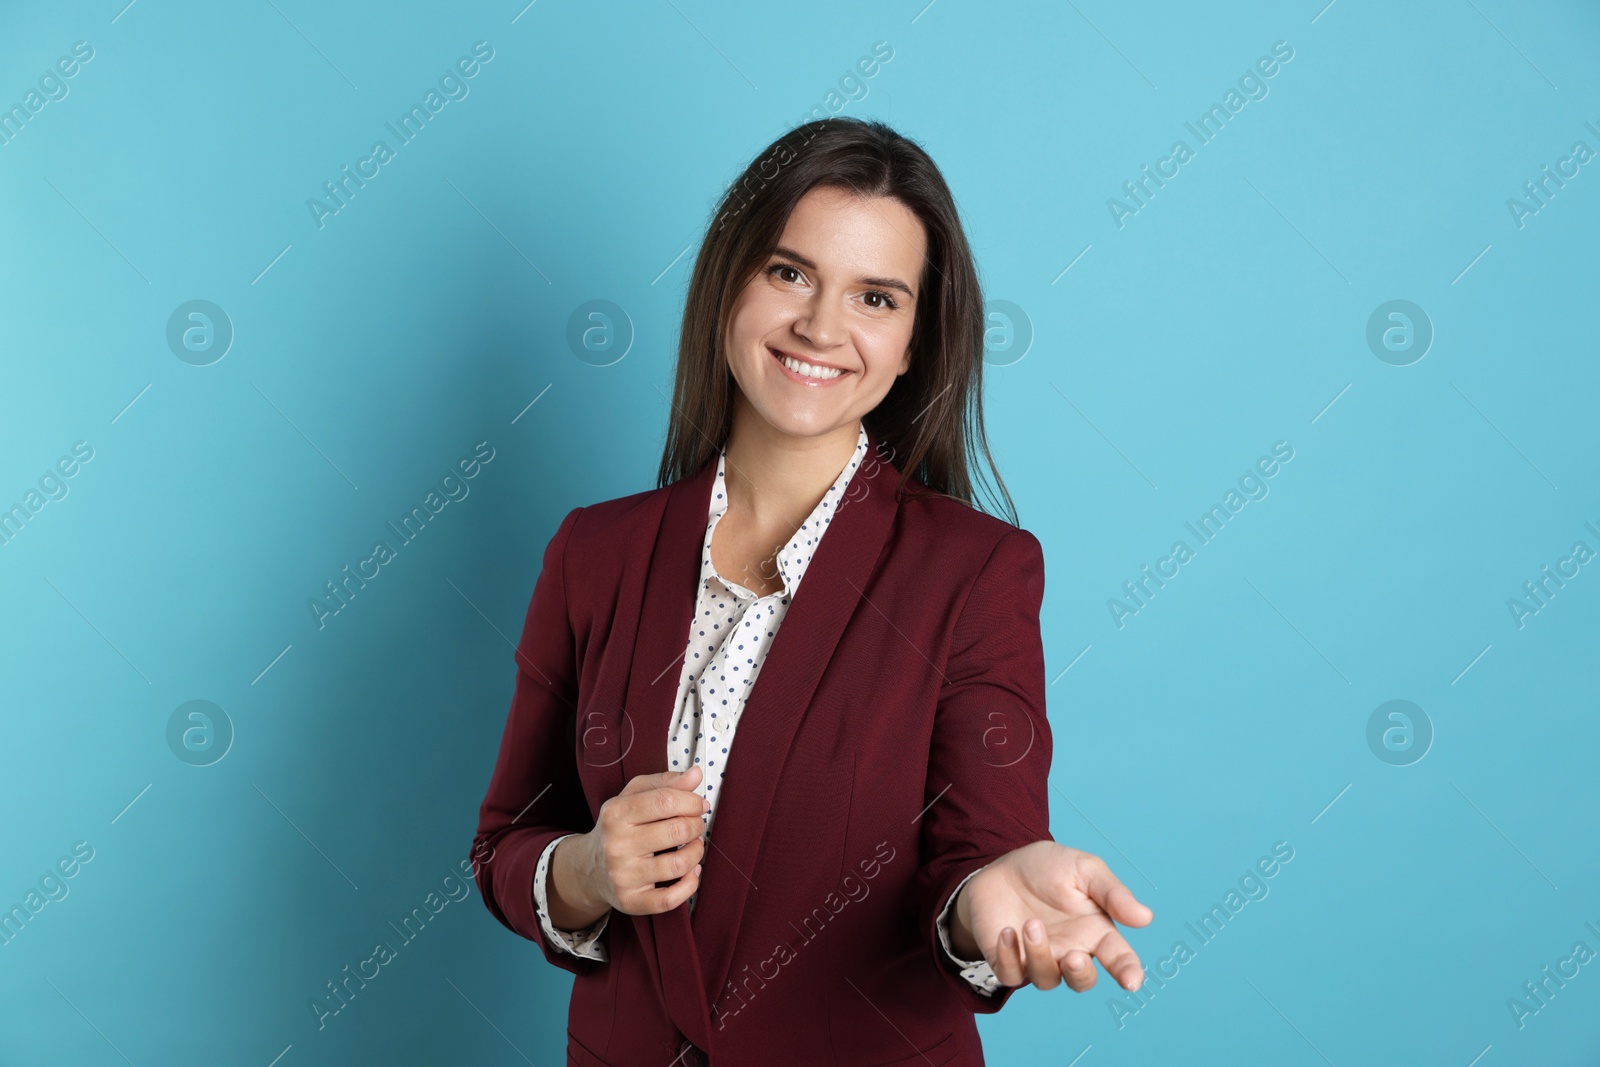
x=1033 y=938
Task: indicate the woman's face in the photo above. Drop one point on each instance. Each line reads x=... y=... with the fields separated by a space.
x=840 y=294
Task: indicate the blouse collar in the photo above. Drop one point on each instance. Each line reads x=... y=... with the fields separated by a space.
x=794 y=557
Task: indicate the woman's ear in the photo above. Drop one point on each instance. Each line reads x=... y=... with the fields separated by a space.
x=905 y=363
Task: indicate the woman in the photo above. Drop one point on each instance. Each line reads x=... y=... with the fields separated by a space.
x=871 y=864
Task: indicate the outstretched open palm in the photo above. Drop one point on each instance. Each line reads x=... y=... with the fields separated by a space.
x=1045 y=912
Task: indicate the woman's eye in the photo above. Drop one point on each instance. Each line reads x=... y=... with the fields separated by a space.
x=777 y=268
x=888 y=301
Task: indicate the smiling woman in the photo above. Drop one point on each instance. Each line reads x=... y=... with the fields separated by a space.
x=813 y=571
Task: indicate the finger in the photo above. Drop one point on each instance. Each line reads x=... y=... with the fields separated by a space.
x=640 y=783
x=1041 y=966
x=1114 y=898
x=1119 y=960
x=662 y=803
x=654 y=837
x=651 y=901
x=689 y=779
x=671 y=864
x=1077 y=966
x=1007 y=960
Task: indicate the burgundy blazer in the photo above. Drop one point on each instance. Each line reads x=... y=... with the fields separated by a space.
x=894 y=742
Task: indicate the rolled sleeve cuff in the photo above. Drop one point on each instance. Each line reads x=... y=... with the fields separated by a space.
x=977 y=972
x=585 y=942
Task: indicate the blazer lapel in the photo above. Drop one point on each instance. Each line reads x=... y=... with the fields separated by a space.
x=660 y=640
x=801 y=650
x=688 y=954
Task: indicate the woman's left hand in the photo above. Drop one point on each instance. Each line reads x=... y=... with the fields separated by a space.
x=1043 y=913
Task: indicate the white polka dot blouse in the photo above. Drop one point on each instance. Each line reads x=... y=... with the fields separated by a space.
x=732 y=630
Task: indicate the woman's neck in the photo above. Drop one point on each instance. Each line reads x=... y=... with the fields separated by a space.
x=775 y=479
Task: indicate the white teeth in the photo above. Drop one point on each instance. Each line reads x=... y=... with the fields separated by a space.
x=808 y=370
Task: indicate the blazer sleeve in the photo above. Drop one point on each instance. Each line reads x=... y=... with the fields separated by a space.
x=989 y=761
x=535 y=795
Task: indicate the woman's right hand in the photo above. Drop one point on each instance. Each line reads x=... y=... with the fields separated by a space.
x=652 y=831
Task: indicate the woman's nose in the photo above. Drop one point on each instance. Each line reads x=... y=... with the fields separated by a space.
x=820 y=323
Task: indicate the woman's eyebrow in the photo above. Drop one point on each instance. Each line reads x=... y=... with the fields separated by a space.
x=882 y=283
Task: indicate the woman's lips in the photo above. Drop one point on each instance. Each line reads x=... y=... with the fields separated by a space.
x=814 y=383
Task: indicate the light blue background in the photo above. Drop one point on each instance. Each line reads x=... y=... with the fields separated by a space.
x=371 y=354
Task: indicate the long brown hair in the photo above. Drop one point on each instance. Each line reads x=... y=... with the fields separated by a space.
x=931 y=421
